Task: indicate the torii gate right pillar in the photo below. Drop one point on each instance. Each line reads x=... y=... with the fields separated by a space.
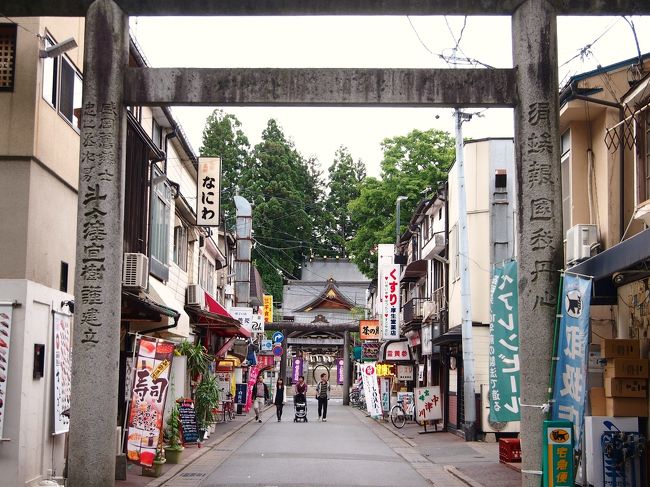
x=539 y=197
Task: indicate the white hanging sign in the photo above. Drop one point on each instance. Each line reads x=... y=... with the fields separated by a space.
x=208 y=191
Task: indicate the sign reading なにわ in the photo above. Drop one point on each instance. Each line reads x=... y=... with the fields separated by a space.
x=208 y=191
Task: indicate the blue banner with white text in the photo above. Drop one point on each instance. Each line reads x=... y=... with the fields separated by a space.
x=569 y=389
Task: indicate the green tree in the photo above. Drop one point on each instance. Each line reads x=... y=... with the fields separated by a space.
x=223 y=137
x=345 y=177
x=286 y=193
x=411 y=164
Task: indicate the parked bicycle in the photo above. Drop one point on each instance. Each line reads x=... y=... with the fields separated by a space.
x=227 y=408
x=398 y=415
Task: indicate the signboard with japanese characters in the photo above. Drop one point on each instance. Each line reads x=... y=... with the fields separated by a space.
x=62 y=369
x=391 y=302
x=296 y=369
x=369 y=329
x=405 y=372
x=408 y=402
x=268 y=308
x=425 y=338
x=244 y=315
x=396 y=351
x=503 y=363
x=339 y=371
x=428 y=404
x=384 y=386
x=148 y=396
x=208 y=191
x=371 y=389
x=6 y=313
x=569 y=391
x=558 y=454
x=370 y=350
x=257 y=325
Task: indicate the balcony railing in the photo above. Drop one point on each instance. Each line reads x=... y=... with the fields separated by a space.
x=413 y=310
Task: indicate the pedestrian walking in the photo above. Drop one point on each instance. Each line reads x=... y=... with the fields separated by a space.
x=280 y=398
x=260 y=395
x=323 y=395
x=301 y=386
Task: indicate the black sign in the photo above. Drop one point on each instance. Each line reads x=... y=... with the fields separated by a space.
x=188 y=423
x=240 y=393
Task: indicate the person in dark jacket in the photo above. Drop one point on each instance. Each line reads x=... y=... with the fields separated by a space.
x=280 y=398
x=260 y=395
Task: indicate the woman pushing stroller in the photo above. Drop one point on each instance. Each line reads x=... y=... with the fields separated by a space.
x=300 y=400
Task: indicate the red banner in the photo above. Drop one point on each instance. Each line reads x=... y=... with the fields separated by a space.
x=148 y=394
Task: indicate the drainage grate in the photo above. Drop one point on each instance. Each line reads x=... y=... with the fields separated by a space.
x=192 y=475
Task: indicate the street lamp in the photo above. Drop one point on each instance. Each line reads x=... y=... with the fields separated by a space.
x=397 y=220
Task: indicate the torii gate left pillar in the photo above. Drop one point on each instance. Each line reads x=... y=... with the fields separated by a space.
x=96 y=339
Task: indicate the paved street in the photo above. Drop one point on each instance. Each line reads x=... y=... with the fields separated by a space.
x=350 y=449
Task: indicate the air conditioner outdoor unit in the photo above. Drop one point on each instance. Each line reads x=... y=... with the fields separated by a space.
x=195 y=296
x=135 y=271
x=579 y=240
x=491 y=426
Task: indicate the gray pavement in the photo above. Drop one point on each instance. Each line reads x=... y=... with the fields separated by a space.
x=350 y=449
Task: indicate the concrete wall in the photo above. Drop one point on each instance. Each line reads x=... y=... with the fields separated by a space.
x=478 y=225
x=32 y=450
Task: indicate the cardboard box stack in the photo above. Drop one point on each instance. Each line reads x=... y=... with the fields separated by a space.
x=626 y=378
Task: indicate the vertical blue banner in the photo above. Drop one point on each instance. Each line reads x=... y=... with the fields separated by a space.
x=503 y=364
x=569 y=388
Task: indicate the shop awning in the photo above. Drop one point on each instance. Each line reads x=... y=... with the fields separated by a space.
x=141 y=308
x=453 y=335
x=165 y=296
x=217 y=319
x=626 y=258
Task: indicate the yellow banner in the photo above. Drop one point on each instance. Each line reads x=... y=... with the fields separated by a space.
x=268 y=308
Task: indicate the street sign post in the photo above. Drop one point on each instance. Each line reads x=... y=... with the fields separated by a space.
x=278 y=337
x=277 y=349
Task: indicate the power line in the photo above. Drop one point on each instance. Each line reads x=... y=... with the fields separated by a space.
x=38 y=36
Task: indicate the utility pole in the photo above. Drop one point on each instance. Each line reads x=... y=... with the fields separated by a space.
x=465 y=288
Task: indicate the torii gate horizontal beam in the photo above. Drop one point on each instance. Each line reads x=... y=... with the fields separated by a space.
x=289 y=326
x=348 y=87
x=77 y=8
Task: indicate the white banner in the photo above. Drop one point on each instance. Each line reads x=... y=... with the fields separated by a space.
x=428 y=403
x=391 y=302
x=371 y=388
x=208 y=191
x=62 y=370
x=425 y=336
x=244 y=315
x=6 y=311
x=257 y=324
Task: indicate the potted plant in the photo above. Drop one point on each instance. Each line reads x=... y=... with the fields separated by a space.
x=206 y=399
x=156 y=469
x=198 y=359
x=174 y=445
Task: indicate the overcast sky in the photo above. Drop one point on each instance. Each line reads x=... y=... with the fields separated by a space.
x=365 y=42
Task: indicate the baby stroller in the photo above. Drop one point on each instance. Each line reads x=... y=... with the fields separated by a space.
x=300 y=408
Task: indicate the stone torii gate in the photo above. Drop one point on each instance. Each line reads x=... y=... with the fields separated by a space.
x=531 y=88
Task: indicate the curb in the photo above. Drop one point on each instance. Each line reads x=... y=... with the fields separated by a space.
x=450 y=469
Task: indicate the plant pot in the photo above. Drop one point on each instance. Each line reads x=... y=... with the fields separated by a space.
x=155 y=470
x=173 y=455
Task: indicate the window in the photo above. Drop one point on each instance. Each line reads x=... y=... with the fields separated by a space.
x=156 y=134
x=566 y=180
x=161 y=200
x=63 y=281
x=206 y=274
x=7 y=56
x=62 y=86
x=180 y=246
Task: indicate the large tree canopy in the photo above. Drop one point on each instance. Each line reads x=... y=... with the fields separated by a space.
x=344 y=180
x=286 y=193
x=413 y=165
